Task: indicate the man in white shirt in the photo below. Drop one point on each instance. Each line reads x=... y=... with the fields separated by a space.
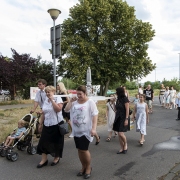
x=40 y=95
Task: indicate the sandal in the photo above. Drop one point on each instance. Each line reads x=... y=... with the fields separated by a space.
x=97 y=142
x=115 y=134
x=108 y=139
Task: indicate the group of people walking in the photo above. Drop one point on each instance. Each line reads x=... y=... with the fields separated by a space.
x=54 y=109
x=83 y=113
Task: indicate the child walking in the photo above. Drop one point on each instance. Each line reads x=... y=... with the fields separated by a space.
x=142 y=118
x=110 y=115
x=136 y=99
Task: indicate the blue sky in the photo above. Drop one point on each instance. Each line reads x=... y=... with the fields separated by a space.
x=25 y=26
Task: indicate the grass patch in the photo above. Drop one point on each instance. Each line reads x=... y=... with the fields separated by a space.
x=13 y=102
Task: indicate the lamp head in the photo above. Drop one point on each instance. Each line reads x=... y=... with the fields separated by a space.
x=54 y=13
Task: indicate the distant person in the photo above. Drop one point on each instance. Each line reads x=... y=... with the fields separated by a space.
x=40 y=95
x=172 y=94
x=16 y=134
x=140 y=90
x=84 y=115
x=178 y=106
x=167 y=97
x=149 y=93
x=142 y=118
x=122 y=120
x=61 y=90
x=110 y=115
x=161 y=95
x=136 y=99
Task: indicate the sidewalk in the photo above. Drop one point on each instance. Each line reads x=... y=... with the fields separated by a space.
x=15 y=106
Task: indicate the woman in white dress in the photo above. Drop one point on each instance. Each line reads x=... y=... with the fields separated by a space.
x=51 y=142
x=167 y=97
x=142 y=118
x=172 y=94
x=84 y=114
x=110 y=115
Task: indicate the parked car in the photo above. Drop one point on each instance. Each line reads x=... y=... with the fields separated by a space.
x=4 y=92
x=109 y=92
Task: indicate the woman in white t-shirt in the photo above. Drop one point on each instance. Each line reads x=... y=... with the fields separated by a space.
x=51 y=142
x=84 y=114
x=172 y=94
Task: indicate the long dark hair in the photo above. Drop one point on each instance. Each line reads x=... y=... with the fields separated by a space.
x=120 y=92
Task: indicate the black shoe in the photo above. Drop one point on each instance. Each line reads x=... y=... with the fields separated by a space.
x=177 y=119
x=120 y=152
x=54 y=163
x=125 y=151
x=97 y=142
x=41 y=165
x=87 y=176
x=81 y=173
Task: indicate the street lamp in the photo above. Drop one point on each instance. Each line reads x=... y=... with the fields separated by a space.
x=54 y=13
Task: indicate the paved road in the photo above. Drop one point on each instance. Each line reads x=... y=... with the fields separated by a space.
x=157 y=156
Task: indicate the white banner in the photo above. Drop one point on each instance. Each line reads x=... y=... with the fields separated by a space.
x=33 y=91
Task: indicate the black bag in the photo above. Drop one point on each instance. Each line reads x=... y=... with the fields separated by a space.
x=63 y=128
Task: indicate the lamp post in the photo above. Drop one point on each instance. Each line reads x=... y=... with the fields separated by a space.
x=54 y=13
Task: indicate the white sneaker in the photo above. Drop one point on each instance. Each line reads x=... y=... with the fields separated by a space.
x=170 y=108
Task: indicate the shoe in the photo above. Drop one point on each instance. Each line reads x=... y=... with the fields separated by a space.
x=41 y=165
x=125 y=151
x=97 y=142
x=87 y=176
x=81 y=173
x=54 y=163
x=120 y=152
x=141 y=142
x=177 y=119
x=108 y=139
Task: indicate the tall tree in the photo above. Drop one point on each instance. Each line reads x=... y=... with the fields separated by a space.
x=107 y=36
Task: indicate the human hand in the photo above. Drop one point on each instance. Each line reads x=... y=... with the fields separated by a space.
x=93 y=132
x=125 y=122
x=73 y=99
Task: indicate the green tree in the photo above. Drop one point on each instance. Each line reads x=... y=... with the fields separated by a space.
x=107 y=36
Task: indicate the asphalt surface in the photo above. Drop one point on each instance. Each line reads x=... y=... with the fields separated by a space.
x=156 y=158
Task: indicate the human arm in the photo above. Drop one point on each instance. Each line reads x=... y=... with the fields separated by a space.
x=35 y=107
x=94 y=125
x=127 y=113
x=147 y=115
x=69 y=104
x=107 y=109
x=134 y=113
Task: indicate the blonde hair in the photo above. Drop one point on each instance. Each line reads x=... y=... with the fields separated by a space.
x=22 y=122
x=50 y=88
x=62 y=88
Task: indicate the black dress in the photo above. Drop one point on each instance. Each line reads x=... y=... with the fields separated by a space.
x=120 y=117
x=66 y=115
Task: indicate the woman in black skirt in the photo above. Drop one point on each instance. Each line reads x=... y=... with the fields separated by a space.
x=121 y=123
x=51 y=142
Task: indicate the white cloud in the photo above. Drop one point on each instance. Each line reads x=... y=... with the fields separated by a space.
x=25 y=26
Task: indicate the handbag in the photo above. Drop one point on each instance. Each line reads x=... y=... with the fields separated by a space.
x=63 y=128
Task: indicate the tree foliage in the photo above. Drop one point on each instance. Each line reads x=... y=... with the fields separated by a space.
x=22 y=71
x=107 y=36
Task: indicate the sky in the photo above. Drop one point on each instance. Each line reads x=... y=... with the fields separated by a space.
x=25 y=27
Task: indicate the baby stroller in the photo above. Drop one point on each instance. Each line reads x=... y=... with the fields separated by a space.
x=25 y=141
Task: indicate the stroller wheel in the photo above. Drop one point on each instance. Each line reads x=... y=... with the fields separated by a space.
x=19 y=147
x=23 y=148
x=3 y=152
x=8 y=156
x=33 y=150
x=29 y=150
x=14 y=156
